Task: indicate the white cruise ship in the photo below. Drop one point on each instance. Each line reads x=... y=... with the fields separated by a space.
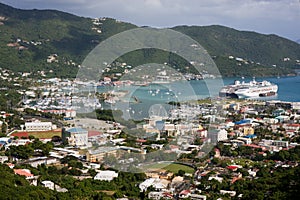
x=253 y=89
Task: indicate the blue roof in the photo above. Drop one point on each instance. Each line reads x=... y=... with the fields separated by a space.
x=243 y=121
x=76 y=130
x=160 y=125
x=250 y=136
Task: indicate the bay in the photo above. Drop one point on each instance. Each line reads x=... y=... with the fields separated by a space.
x=144 y=101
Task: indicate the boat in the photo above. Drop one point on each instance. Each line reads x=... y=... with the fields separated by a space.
x=162 y=78
x=252 y=89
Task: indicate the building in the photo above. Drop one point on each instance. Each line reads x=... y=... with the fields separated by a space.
x=197 y=197
x=48 y=184
x=39 y=126
x=155 y=195
x=222 y=135
x=248 y=130
x=35 y=162
x=231 y=193
x=100 y=153
x=52 y=186
x=106 y=175
x=276 y=143
x=156 y=183
x=76 y=136
x=27 y=174
x=3 y=159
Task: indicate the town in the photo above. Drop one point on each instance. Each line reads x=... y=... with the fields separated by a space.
x=205 y=149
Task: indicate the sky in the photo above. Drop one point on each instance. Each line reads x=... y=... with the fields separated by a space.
x=280 y=17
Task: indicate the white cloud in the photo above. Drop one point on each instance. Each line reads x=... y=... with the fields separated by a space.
x=267 y=16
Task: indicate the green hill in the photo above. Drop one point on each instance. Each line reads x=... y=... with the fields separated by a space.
x=28 y=37
x=268 y=50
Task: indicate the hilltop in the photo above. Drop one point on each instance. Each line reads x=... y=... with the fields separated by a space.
x=54 y=43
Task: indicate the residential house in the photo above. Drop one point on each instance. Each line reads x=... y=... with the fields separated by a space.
x=106 y=175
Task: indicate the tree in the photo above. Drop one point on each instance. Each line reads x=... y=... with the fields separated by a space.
x=180 y=172
x=31 y=137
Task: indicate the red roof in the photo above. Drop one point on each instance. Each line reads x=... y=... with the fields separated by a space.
x=293 y=125
x=234 y=179
x=141 y=140
x=22 y=172
x=166 y=194
x=20 y=134
x=255 y=146
x=94 y=133
x=232 y=133
x=185 y=192
x=232 y=167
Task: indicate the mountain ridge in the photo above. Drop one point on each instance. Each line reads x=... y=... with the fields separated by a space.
x=72 y=37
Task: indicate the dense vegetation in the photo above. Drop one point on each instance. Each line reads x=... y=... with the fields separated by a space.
x=16 y=187
x=33 y=35
x=68 y=36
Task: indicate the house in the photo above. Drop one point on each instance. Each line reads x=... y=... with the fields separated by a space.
x=233 y=167
x=28 y=175
x=159 y=195
x=3 y=159
x=106 y=175
x=52 y=186
x=197 y=197
x=184 y=194
x=48 y=184
x=52 y=58
x=231 y=193
x=10 y=165
x=24 y=172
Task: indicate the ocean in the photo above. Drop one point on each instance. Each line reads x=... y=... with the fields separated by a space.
x=143 y=101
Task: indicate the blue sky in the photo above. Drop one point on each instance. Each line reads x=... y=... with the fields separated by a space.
x=281 y=17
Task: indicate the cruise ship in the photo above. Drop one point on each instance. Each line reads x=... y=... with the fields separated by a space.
x=252 y=89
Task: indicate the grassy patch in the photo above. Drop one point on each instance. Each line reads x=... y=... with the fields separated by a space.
x=45 y=134
x=176 y=167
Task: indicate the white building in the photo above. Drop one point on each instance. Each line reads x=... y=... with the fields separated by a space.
x=106 y=175
x=3 y=159
x=39 y=126
x=158 y=184
x=48 y=184
x=77 y=136
x=222 y=135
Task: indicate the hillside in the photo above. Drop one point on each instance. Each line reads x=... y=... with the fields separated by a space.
x=28 y=37
x=56 y=43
